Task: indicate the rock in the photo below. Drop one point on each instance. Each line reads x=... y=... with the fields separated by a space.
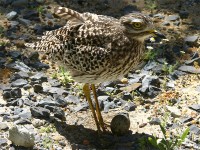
x=194 y=129
x=147 y=82
x=25 y=114
x=38 y=122
x=41 y=77
x=59 y=113
x=190 y=69
x=55 y=90
x=3 y=142
x=191 y=62
x=173 y=17
x=175 y=112
x=25 y=22
x=18 y=75
x=191 y=39
x=12 y=93
x=130 y=106
x=81 y=107
x=186 y=119
x=71 y=99
x=155 y=121
x=54 y=82
x=11 y=15
x=19 y=66
x=47 y=101
x=19 y=83
x=159 y=16
x=37 y=88
x=108 y=105
x=14 y=24
x=109 y=89
x=166 y=23
x=21 y=136
x=34 y=56
x=60 y=100
x=195 y=107
x=176 y=23
x=120 y=124
x=184 y=14
x=19 y=3
x=127 y=96
x=40 y=112
x=22 y=122
x=39 y=65
x=3 y=126
x=31 y=14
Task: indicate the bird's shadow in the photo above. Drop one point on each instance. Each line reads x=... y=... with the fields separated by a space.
x=80 y=137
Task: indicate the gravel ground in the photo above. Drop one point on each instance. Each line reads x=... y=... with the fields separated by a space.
x=41 y=107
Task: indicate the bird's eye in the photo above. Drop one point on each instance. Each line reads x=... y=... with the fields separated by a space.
x=137 y=25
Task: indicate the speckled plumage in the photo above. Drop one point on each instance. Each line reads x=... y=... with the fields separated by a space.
x=96 y=48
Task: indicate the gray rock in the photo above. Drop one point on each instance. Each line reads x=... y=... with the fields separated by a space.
x=22 y=122
x=194 y=129
x=184 y=14
x=11 y=15
x=81 y=107
x=176 y=23
x=191 y=39
x=40 y=112
x=55 y=90
x=104 y=98
x=175 y=112
x=60 y=100
x=130 y=106
x=166 y=23
x=41 y=77
x=20 y=3
x=3 y=126
x=47 y=101
x=173 y=17
x=186 y=119
x=19 y=83
x=109 y=105
x=38 y=123
x=54 y=82
x=12 y=93
x=13 y=24
x=147 y=82
x=18 y=75
x=109 y=89
x=21 y=136
x=195 y=107
x=155 y=121
x=59 y=113
x=71 y=99
x=160 y=16
x=190 y=69
x=25 y=114
x=3 y=142
x=127 y=96
x=25 y=22
x=37 y=88
x=19 y=66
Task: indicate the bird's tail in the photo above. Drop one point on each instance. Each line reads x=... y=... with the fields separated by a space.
x=69 y=14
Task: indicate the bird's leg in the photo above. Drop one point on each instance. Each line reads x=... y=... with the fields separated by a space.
x=86 y=91
x=98 y=109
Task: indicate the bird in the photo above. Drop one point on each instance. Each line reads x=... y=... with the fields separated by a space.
x=96 y=48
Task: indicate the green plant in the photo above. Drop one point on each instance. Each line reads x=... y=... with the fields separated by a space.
x=1 y=31
x=65 y=76
x=47 y=142
x=48 y=129
x=40 y=9
x=168 y=69
x=150 y=54
x=167 y=143
x=151 y=4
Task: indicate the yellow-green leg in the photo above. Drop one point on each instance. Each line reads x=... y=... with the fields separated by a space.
x=100 y=118
x=86 y=91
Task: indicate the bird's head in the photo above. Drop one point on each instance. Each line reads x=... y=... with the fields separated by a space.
x=138 y=26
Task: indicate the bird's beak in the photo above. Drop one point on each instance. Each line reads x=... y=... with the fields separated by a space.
x=157 y=34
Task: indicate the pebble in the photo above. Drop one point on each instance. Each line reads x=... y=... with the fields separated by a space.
x=40 y=112
x=25 y=22
x=3 y=142
x=71 y=99
x=155 y=121
x=18 y=65
x=19 y=83
x=3 y=126
x=21 y=136
x=38 y=122
x=194 y=129
x=81 y=107
x=173 y=17
x=195 y=107
x=191 y=39
x=108 y=105
x=130 y=106
x=175 y=112
x=41 y=77
x=11 y=15
x=37 y=88
x=190 y=69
